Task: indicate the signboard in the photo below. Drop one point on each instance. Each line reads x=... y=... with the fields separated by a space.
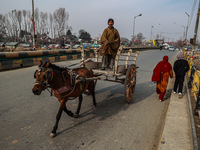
x=153 y=42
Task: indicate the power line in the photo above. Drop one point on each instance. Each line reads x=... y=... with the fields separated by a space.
x=192 y=12
x=168 y=32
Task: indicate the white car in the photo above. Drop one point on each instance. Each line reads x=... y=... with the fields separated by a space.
x=171 y=48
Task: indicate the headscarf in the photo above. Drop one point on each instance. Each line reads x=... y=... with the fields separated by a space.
x=161 y=68
x=166 y=66
x=180 y=55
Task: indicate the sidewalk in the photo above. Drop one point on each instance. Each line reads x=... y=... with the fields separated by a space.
x=177 y=132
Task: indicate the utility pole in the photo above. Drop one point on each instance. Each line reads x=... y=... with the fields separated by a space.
x=187 y=27
x=33 y=20
x=183 y=32
x=196 y=29
x=151 y=33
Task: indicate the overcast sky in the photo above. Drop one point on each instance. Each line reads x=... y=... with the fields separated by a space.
x=166 y=16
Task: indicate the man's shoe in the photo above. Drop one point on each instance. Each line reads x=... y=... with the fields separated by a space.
x=174 y=92
x=103 y=68
x=179 y=95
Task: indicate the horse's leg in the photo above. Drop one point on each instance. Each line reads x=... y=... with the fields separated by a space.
x=94 y=99
x=53 y=132
x=79 y=106
x=68 y=112
x=91 y=89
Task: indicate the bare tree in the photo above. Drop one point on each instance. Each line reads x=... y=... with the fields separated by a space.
x=37 y=21
x=60 y=18
x=139 y=38
x=13 y=17
x=51 y=24
x=19 y=20
x=17 y=23
x=8 y=25
x=24 y=15
x=44 y=23
x=2 y=26
x=29 y=23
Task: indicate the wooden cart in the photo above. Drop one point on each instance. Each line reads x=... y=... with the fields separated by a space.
x=124 y=74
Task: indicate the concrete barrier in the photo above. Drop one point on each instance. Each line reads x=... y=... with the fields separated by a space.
x=12 y=60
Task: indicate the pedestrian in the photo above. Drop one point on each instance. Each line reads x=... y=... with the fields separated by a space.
x=180 y=68
x=161 y=74
x=110 y=41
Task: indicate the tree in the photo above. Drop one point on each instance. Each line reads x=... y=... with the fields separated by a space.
x=139 y=38
x=24 y=15
x=43 y=23
x=60 y=18
x=51 y=25
x=19 y=19
x=85 y=36
x=69 y=33
x=2 y=27
x=179 y=43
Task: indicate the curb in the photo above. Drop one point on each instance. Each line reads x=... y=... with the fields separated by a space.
x=194 y=136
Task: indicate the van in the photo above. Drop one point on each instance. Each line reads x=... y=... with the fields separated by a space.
x=171 y=48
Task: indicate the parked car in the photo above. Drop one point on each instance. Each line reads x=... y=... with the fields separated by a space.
x=53 y=46
x=87 y=45
x=68 y=46
x=76 y=46
x=171 y=48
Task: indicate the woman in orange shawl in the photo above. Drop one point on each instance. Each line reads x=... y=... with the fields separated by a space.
x=161 y=74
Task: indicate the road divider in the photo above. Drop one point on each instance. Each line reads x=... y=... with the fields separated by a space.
x=13 y=60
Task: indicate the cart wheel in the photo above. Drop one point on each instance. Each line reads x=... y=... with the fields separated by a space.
x=130 y=82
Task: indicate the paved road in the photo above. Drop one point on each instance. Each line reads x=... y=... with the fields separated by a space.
x=26 y=120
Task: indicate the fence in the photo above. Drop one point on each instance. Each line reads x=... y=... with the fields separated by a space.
x=194 y=82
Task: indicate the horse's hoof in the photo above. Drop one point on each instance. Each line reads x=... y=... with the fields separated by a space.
x=76 y=115
x=52 y=135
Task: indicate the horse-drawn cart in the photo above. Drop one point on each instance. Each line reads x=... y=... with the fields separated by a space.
x=68 y=83
x=124 y=74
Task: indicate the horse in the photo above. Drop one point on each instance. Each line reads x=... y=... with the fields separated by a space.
x=65 y=84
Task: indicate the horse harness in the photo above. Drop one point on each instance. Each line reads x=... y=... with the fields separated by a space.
x=74 y=79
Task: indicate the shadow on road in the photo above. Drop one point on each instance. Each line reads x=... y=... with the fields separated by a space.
x=112 y=104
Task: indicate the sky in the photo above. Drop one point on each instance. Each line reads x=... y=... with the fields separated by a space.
x=166 y=16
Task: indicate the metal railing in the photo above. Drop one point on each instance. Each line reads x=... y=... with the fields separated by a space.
x=194 y=83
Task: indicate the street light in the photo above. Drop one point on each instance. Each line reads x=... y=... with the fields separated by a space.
x=151 y=33
x=187 y=26
x=134 y=25
x=183 y=32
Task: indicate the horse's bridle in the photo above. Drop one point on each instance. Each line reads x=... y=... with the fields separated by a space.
x=45 y=84
x=49 y=76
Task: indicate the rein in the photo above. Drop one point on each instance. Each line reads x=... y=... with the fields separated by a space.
x=74 y=80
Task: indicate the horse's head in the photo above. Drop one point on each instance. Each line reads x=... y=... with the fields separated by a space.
x=42 y=77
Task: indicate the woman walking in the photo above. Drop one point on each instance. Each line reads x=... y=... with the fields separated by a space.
x=161 y=74
x=181 y=66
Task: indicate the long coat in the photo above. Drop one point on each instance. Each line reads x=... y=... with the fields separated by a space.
x=161 y=74
x=110 y=40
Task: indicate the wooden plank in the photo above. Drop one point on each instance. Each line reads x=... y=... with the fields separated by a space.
x=106 y=72
x=199 y=114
